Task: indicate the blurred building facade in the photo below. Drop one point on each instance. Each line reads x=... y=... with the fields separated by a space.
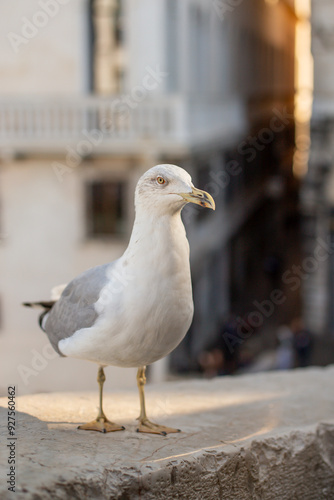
x=318 y=186
x=93 y=93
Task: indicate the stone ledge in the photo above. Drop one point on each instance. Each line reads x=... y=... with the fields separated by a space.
x=263 y=436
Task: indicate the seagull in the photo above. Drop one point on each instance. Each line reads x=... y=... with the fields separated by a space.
x=137 y=309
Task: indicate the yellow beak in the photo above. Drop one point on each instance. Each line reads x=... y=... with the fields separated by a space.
x=199 y=197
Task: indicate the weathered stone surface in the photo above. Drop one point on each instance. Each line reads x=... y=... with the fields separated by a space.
x=263 y=436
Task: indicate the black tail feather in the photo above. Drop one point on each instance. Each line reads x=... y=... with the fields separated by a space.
x=46 y=305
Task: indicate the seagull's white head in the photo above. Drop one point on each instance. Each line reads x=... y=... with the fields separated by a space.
x=167 y=189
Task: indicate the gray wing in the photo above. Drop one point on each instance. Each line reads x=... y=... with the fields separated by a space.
x=75 y=308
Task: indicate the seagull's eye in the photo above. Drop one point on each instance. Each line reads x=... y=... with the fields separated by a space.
x=161 y=180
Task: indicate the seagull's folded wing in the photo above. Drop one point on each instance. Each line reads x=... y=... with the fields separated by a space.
x=75 y=308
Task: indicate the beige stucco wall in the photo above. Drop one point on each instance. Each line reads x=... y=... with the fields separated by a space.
x=44 y=47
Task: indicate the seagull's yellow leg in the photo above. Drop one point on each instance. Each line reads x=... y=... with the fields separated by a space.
x=145 y=425
x=101 y=423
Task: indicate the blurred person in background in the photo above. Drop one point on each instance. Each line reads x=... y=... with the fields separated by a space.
x=222 y=355
x=285 y=350
x=303 y=343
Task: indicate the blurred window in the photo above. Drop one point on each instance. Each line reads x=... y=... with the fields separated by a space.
x=234 y=182
x=199 y=60
x=106 y=208
x=202 y=182
x=119 y=23
x=90 y=46
x=172 y=45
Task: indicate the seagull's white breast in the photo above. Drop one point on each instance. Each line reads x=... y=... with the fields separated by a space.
x=146 y=308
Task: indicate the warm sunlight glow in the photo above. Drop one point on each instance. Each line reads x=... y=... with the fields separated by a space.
x=303 y=9
x=304 y=87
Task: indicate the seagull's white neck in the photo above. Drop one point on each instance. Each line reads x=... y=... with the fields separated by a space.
x=158 y=236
